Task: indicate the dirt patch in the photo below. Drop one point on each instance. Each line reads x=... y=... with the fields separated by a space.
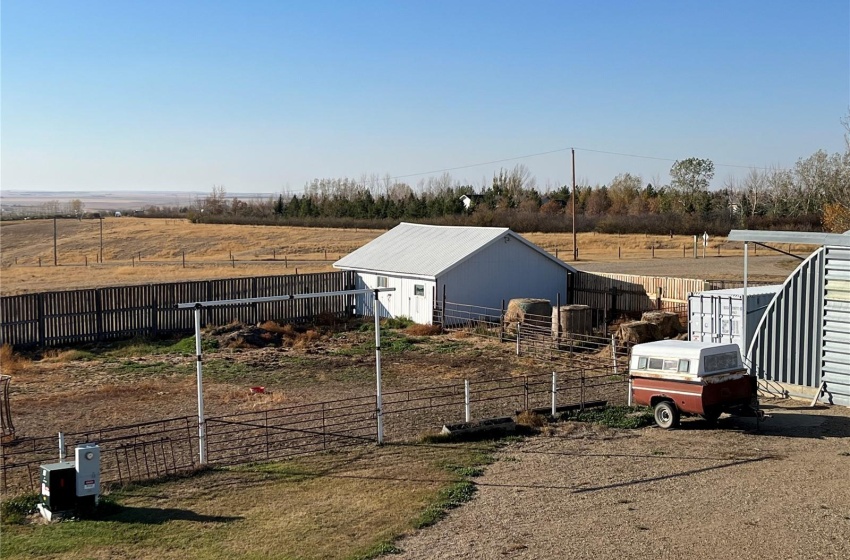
x=731 y=492
x=127 y=384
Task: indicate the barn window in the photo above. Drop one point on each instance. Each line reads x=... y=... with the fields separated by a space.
x=419 y=289
x=382 y=281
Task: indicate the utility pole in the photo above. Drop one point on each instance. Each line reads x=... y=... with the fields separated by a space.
x=55 y=253
x=575 y=245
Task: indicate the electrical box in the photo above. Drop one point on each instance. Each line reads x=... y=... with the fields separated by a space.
x=58 y=487
x=88 y=469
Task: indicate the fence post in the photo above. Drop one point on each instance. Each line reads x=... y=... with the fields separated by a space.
x=378 y=397
x=614 y=352
x=154 y=316
x=445 y=320
x=98 y=313
x=502 y=323
x=581 y=403
x=324 y=432
x=184 y=259
x=266 y=424
x=554 y=393
x=525 y=390
x=558 y=332
x=518 y=331
x=467 y=414
x=42 y=334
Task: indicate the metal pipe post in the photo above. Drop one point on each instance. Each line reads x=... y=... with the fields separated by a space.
x=614 y=352
x=575 y=239
x=379 y=411
x=744 y=312
x=61 y=447
x=202 y=426
x=467 y=414
x=518 y=332
x=554 y=393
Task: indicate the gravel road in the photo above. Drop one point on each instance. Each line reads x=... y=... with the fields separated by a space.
x=696 y=492
x=711 y=268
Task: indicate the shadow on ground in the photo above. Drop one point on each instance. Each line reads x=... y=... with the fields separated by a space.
x=158 y=516
x=802 y=422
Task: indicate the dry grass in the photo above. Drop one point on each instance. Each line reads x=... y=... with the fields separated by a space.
x=10 y=362
x=423 y=330
x=350 y=504
x=257 y=250
x=531 y=419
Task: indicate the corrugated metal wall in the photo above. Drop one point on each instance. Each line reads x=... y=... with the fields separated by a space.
x=836 y=324
x=786 y=346
x=804 y=336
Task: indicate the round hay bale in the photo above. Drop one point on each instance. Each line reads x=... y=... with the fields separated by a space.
x=529 y=311
x=638 y=332
x=574 y=321
x=668 y=323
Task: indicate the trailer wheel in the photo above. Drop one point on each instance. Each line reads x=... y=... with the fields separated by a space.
x=666 y=415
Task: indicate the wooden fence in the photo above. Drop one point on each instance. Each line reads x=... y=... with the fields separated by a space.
x=58 y=318
x=631 y=293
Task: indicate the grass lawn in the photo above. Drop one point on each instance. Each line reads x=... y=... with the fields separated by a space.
x=346 y=505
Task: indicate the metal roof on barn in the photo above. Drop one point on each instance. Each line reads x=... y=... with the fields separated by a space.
x=427 y=250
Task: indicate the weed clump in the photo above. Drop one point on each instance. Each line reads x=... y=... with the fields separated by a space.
x=10 y=362
x=625 y=417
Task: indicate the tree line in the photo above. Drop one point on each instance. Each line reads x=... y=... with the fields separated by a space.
x=813 y=195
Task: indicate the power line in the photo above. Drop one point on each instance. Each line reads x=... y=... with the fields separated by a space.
x=638 y=156
x=673 y=160
x=480 y=164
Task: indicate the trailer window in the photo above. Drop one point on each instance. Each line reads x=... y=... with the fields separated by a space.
x=720 y=362
x=671 y=365
x=655 y=363
x=684 y=366
x=642 y=363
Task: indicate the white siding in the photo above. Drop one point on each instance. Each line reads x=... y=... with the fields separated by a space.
x=402 y=302
x=503 y=271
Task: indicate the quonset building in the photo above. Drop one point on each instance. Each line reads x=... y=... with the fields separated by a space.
x=801 y=344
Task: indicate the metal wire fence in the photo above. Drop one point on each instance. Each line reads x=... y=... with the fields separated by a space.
x=155 y=449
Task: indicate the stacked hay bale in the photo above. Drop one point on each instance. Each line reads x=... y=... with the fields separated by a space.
x=654 y=325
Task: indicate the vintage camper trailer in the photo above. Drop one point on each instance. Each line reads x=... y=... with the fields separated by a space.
x=678 y=377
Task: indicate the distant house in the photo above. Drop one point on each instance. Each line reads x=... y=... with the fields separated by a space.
x=476 y=266
x=470 y=200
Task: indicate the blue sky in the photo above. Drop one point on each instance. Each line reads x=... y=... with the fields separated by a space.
x=264 y=96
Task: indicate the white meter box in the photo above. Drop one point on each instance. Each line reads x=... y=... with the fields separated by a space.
x=88 y=469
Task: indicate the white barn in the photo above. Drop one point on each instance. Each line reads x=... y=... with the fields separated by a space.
x=478 y=266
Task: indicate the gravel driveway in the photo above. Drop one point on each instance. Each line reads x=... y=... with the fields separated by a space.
x=763 y=267
x=696 y=492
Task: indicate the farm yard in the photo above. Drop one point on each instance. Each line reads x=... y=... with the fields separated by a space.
x=575 y=489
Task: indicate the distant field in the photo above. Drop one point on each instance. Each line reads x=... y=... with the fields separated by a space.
x=143 y=250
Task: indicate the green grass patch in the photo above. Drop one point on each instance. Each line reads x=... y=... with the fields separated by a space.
x=142 y=346
x=625 y=417
x=344 y=505
x=15 y=510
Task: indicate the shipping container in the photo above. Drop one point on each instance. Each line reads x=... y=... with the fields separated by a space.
x=717 y=315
